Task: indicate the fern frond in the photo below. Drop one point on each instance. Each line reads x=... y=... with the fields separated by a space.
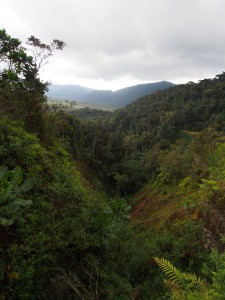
x=169 y=270
x=182 y=285
x=171 y=285
x=194 y=279
x=176 y=277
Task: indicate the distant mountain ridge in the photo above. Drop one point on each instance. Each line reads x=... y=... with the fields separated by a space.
x=118 y=98
x=70 y=92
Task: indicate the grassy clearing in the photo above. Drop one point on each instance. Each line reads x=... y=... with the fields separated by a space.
x=69 y=106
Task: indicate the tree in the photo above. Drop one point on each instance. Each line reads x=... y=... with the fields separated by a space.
x=14 y=62
x=17 y=66
x=41 y=51
x=22 y=93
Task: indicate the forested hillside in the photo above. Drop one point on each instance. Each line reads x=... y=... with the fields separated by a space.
x=165 y=153
x=107 y=207
x=109 y=98
x=60 y=237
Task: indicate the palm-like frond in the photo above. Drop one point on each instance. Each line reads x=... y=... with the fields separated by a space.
x=179 y=280
x=169 y=270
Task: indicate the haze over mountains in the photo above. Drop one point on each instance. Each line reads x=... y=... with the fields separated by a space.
x=118 y=98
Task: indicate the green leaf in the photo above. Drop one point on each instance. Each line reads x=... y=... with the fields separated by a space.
x=5 y=222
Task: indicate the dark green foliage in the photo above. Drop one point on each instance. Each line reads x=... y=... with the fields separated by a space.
x=19 y=65
x=119 y=147
x=88 y=113
x=165 y=140
x=189 y=286
x=10 y=194
x=65 y=226
x=64 y=235
x=69 y=227
x=182 y=285
x=21 y=90
x=163 y=114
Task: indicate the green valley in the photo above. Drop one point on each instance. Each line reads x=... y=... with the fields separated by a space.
x=114 y=206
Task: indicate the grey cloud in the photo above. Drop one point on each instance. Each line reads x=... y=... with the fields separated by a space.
x=146 y=40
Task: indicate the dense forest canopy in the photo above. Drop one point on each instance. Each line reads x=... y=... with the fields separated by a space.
x=102 y=206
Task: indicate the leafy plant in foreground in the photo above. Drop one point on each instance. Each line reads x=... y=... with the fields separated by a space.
x=181 y=285
x=11 y=187
x=188 y=286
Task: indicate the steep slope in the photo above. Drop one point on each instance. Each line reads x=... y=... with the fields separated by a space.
x=129 y=94
x=120 y=145
x=57 y=232
x=164 y=114
x=189 y=186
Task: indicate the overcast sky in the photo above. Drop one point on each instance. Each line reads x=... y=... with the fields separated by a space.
x=116 y=43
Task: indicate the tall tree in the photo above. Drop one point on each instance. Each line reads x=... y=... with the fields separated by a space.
x=22 y=93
